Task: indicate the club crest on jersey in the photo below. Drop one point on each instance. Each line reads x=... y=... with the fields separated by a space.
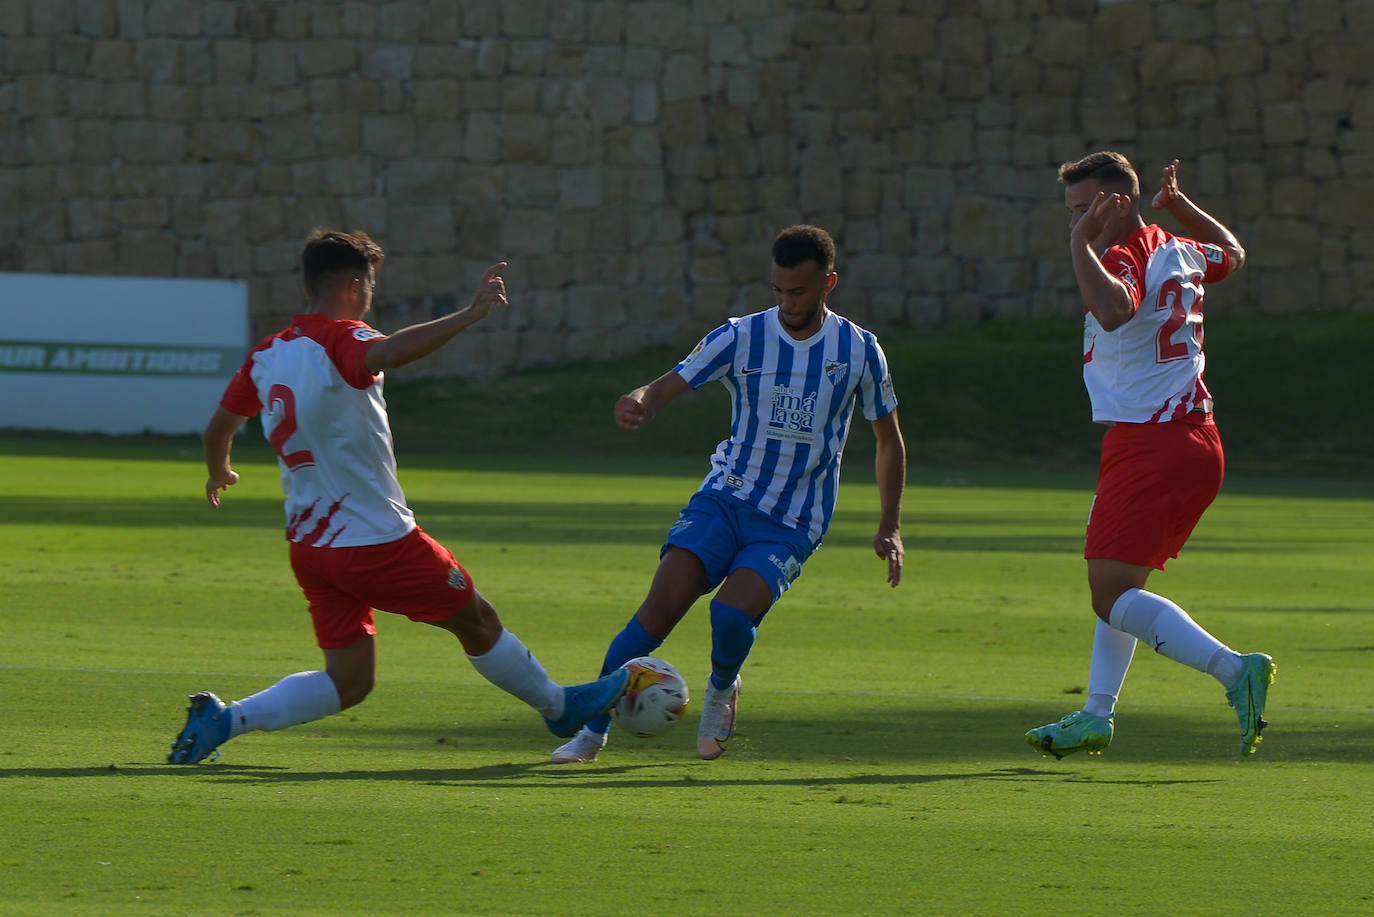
x=456 y=579
x=367 y=334
x=835 y=371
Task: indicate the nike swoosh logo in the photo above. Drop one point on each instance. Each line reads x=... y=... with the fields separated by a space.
x=747 y=371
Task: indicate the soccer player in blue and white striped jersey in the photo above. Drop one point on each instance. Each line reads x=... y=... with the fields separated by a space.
x=795 y=374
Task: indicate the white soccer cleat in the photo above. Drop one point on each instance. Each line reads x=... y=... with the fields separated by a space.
x=580 y=749
x=717 y=720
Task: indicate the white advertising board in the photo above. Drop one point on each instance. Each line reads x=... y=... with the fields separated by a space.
x=117 y=354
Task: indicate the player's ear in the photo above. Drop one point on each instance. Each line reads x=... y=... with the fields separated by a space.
x=830 y=280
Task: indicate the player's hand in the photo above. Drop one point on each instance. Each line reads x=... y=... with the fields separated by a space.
x=630 y=413
x=216 y=483
x=1104 y=208
x=1168 y=187
x=889 y=547
x=491 y=291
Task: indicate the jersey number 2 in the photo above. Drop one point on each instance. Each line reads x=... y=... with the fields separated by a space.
x=284 y=403
x=1171 y=299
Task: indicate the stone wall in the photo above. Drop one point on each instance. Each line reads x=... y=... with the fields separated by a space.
x=633 y=160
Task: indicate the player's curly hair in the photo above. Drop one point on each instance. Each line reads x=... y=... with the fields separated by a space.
x=803 y=242
x=1111 y=169
x=330 y=256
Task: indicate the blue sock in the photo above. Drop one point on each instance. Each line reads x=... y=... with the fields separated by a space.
x=732 y=637
x=632 y=642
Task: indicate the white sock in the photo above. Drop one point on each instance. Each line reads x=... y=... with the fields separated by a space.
x=513 y=669
x=1112 y=653
x=1173 y=634
x=295 y=699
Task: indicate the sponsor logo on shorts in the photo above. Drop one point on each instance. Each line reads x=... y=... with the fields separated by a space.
x=681 y=525
x=456 y=579
x=790 y=568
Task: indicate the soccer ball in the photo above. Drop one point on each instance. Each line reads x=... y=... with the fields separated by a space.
x=654 y=700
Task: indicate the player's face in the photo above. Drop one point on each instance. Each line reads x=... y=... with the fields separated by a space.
x=800 y=294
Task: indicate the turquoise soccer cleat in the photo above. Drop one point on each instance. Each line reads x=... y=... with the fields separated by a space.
x=1079 y=731
x=1248 y=696
x=585 y=702
x=206 y=729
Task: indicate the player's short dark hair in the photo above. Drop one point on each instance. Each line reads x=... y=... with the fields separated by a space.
x=802 y=242
x=1112 y=170
x=329 y=256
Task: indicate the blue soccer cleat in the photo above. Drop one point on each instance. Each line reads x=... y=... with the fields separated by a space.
x=206 y=729
x=585 y=702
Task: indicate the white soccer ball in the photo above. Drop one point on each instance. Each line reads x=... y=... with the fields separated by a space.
x=654 y=700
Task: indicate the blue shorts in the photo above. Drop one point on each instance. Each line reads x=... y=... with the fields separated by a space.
x=726 y=533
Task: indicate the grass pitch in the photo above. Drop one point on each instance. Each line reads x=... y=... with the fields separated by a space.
x=879 y=766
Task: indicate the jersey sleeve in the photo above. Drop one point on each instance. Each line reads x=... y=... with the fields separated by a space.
x=347 y=345
x=1218 y=262
x=1126 y=264
x=241 y=395
x=711 y=358
x=876 y=396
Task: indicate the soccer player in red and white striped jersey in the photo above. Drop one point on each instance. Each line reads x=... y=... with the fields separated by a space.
x=354 y=544
x=1162 y=461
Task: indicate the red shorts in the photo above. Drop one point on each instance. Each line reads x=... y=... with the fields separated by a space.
x=1154 y=483
x=414 y=576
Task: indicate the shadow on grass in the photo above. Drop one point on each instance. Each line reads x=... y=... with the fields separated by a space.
x=892 y=746
x=596 y=776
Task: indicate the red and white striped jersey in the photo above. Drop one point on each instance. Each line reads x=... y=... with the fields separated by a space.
x=324 y=414
x=1149 y=370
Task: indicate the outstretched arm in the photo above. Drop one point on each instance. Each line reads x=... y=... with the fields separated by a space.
x=219 y=439
x=412 y=343
x=889 y=466
x=1196 y=222
x=638 y=407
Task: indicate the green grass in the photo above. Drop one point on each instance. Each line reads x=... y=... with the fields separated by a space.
x=879 y=766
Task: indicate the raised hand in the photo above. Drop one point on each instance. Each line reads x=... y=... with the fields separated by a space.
x=1168 y=187
x=491 y=291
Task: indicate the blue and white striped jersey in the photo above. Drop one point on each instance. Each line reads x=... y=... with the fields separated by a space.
x=791 y=406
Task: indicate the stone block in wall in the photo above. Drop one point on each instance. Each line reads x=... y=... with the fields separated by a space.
x=525 y=138
x=532 y=185
x=143 y=140
x=684 y=77
x=421 y=228
x=657 y=25
x=1283 y=121
x=88 y=218
x=822 y=178
x=94 y=257
x=527 y=231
